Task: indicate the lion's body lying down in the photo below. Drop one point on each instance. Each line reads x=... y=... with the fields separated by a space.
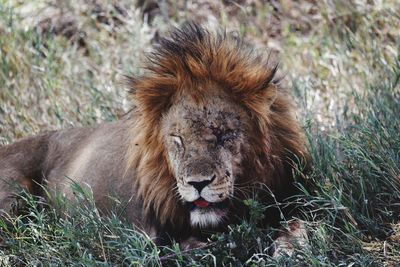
x=209 y=124
x=91 y=156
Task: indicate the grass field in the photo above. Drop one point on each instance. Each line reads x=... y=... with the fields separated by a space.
x=61 y=64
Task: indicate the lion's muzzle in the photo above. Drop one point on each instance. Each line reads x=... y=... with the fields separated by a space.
x=199 y=185
x=212 y=189
x=206 y=198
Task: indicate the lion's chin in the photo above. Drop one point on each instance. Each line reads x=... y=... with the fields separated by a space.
x=203 y=218
x=204 y=214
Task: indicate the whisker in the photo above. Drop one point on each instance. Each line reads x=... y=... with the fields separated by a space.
x=247 y=183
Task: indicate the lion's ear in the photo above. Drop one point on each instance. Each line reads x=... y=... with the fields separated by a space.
x=269 y=88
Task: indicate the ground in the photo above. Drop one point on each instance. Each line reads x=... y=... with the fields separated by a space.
x=62 y=63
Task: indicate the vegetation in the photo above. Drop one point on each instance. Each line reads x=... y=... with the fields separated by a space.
x=61 y=64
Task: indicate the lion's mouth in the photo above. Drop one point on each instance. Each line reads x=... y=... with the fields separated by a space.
x=203 y=204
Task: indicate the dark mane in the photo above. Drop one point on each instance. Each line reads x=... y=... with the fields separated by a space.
x=189 y=62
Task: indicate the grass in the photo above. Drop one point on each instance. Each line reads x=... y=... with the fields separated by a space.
x=340 y=57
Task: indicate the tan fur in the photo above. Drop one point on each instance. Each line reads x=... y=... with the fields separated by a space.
x=235 y=122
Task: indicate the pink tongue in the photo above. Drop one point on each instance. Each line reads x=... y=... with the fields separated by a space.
x=201 y=203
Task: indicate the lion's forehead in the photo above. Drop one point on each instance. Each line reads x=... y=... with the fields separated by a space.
x=214 y=114
x=212 y=121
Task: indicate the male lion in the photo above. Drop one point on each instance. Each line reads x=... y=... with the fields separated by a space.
x=209 y=124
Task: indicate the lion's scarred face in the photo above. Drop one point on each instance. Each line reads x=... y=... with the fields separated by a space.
x=211 y=124
x=204 y=145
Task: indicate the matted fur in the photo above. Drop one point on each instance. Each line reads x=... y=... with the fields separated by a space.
x=188 y=64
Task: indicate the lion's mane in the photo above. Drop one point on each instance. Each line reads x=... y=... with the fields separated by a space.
x=184 y=64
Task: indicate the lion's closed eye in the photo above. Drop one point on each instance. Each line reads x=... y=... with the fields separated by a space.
x=178 y=140
x=227 y=136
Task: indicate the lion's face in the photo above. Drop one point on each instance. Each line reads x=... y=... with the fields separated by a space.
x=210 y=121
x=204 y=144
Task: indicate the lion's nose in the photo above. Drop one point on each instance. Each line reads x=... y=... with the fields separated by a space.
x=200 y=185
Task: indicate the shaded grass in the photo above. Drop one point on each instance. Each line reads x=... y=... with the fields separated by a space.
x=356 y=174
x=345 y=74
x=76 y=236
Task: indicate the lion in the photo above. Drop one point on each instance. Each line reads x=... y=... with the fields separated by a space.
x=210 y=122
